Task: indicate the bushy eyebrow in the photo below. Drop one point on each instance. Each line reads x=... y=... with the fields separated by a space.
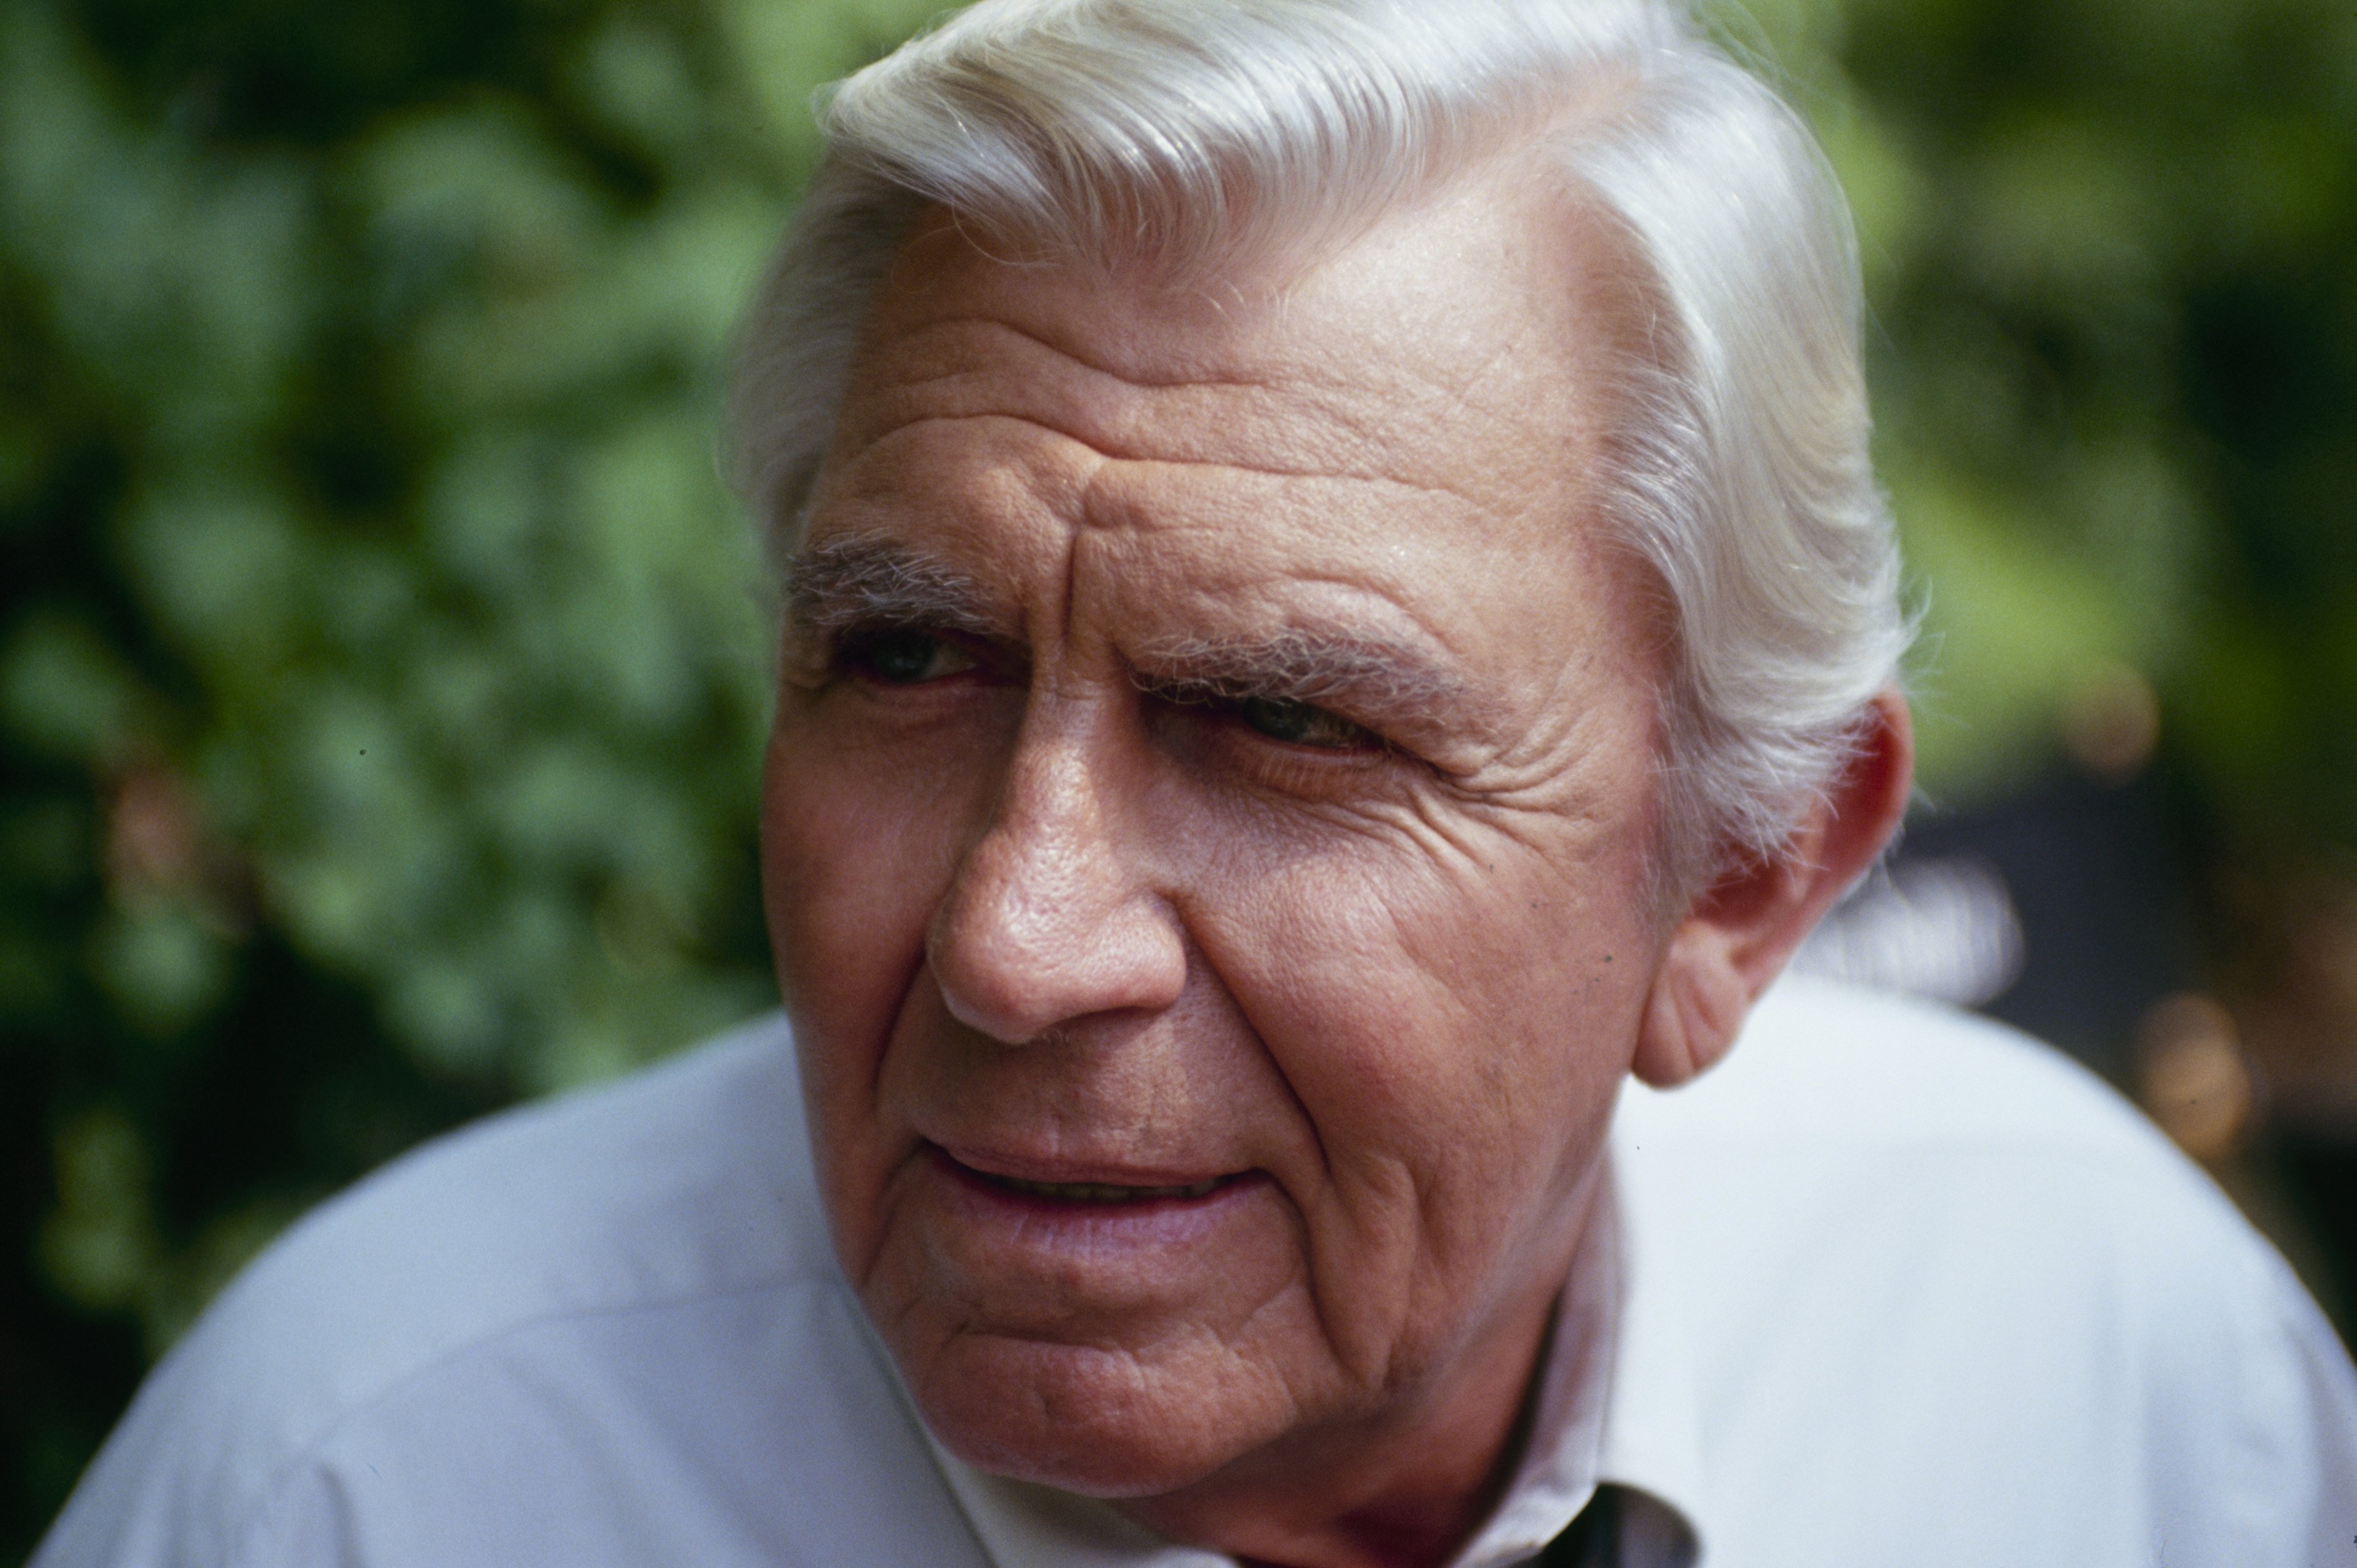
x=846 y=583
x=1369 y=679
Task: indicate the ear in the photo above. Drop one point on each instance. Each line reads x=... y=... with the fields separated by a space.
x=1743 y=927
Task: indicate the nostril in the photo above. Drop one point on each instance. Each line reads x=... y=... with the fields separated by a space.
x=1018 y=978
x=984 y=1008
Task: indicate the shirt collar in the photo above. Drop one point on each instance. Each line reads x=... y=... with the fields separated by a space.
x=1558 y=1470
x=1615 y=1404
x=1651 y=1442
x=1024 y=1526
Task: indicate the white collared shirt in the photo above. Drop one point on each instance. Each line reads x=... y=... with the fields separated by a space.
x=1892 y=1287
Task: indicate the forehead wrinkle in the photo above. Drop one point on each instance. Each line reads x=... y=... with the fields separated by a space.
x=1127 y=415
x=941 y=371
x=1071 y=351
x=1111 y=461
x=1312 y=476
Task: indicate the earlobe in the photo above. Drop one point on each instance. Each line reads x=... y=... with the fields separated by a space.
x=1695 y=1010
x=1740 y=931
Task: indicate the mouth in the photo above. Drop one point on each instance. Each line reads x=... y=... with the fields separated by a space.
x=1102 y=1192
x=1088 y=1192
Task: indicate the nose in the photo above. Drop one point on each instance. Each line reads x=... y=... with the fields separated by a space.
x=1050 y=918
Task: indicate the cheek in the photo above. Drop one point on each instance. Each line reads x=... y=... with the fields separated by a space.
x=1452 y=1022
x=864 y=812
x=855 y=853
x=1454 y=1034
x=850 y=872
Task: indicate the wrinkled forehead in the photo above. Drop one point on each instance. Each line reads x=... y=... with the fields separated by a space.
x=1480 y=318
x=1408 y=429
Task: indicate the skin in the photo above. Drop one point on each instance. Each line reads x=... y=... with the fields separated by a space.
x=1215 y=746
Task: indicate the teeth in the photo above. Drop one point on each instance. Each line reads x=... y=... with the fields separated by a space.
x=1104 y=1192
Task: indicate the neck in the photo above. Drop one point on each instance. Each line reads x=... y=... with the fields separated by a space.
x=1405 y=1489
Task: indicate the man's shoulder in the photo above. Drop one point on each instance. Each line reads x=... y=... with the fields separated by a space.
x=1822 y=1063
x=1846 y=1117
x=685 y=1178
x=1954 y=1264
x=539 y=1251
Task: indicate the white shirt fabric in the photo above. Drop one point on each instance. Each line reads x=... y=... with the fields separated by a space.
x=1891 y=1286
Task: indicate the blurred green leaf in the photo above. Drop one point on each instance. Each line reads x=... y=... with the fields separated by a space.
x=381 y=666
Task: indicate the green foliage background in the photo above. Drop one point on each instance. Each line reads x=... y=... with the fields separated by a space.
x=381 y=661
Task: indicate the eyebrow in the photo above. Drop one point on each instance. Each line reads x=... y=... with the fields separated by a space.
x=1375 y=679
x=846 y=583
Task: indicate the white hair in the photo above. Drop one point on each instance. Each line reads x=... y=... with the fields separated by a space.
x=1197 y=132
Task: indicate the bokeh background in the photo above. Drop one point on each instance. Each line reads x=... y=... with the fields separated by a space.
x=380 y=659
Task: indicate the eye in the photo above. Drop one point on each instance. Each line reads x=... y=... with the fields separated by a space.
x=902 y=656
x=1303 y=723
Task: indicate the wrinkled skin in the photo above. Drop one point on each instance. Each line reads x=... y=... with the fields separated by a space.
x=1217 y=749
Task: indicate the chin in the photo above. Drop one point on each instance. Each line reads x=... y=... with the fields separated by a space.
x=1083 y=1419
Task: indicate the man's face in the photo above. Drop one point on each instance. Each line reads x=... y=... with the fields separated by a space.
x=1206 y=838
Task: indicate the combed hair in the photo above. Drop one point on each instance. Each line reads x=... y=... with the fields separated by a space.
x=1195 y=134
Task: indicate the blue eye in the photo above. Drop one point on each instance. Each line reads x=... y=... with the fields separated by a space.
x=903 y=656
x=1302 y=724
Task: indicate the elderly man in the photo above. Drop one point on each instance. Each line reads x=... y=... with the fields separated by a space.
x=1335 y=610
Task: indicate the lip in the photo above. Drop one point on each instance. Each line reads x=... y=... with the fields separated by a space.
x=1172 y=1210
x=1016 y=1172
